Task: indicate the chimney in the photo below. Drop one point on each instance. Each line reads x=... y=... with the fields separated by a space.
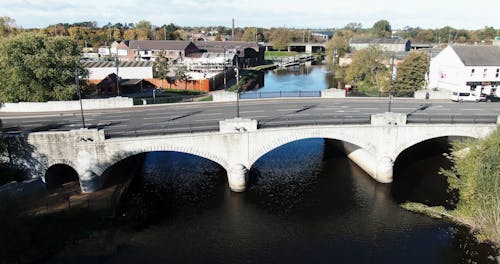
x=232 y=31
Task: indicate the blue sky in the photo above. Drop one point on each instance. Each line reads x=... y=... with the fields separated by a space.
x=262 y=13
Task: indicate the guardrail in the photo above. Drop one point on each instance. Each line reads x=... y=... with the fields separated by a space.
x=292 y=121
x=279 y=94
x=450 y=119
x=163 y=129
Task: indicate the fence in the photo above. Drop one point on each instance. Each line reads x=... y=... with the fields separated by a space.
x=279 y=94
x=292 y=121
x=450 y=119
x=163 y=129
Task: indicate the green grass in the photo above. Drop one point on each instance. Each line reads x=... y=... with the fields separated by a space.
x=207 y=99
x=271 y=54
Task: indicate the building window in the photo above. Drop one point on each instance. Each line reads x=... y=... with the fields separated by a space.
x=485 y=72
x=472 y=72
x=472 y=87
x=498 y=73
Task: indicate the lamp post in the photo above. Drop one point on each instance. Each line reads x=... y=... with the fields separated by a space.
x=393 y=78
x=77 y=80
x=117 y=78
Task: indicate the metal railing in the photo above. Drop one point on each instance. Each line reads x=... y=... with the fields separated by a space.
x=279 y=94
x=292 y=121
x=163 y=129
x=450 y=119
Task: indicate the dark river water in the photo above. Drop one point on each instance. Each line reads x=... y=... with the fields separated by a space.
x=307 y=203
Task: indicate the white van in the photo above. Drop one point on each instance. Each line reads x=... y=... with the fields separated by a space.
x=467 y=97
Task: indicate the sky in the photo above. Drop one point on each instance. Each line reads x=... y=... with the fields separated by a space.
x=318 y=14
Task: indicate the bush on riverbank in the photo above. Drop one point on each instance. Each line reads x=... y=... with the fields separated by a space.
x=476 y=176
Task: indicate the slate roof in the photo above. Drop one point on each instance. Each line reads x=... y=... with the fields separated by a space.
x=478 y=55
x=159 y=44
x=122 y=64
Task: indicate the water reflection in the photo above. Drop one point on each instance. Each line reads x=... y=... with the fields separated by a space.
x=308 y=203
x=296 y=78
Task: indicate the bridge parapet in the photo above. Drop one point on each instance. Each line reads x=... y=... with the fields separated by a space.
x=388 y=119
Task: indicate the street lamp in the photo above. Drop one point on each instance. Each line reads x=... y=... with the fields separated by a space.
x=77 y=80
x=117 y=78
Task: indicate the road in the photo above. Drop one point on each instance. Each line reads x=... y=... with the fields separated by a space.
x=176 y=118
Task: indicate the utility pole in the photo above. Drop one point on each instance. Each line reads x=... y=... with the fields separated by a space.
x=77 y=80
x=117 y=63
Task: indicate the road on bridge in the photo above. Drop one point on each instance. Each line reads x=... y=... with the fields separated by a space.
x=198 y=117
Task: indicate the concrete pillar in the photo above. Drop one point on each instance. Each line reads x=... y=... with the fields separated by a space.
x=379 y=169
x=289 y=49
x=237 y=177
x=89 y=182
x=384 y=172
x=309 y=49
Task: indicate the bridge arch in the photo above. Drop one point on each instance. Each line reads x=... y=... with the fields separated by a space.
x=419 y=139
x=279 y=142
x=58 y=174
x=120 y=155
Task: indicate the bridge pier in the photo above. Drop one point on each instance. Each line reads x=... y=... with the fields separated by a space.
x=237 y=177
x=90 y=182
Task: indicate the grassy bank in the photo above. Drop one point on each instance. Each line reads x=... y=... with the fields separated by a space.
x=271 y=54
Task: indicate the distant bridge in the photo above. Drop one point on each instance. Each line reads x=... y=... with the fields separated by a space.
x=373 y=145
x=301 y=46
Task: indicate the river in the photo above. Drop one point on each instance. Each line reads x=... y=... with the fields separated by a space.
x=307 y=203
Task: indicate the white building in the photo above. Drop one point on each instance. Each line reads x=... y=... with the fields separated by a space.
x=465 y=68
x=126 y=69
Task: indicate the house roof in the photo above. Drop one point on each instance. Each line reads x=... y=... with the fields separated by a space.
x=478 y=55
x=378 y=41
x=122 y=64
x=159 y=44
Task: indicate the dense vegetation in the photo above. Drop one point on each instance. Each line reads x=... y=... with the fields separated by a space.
x=475 y=176
x=38 y=68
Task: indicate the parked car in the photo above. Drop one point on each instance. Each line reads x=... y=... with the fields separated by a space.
x=492 y=98
x=467 y=97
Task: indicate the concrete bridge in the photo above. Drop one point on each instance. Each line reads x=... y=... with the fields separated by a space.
x=237 y=145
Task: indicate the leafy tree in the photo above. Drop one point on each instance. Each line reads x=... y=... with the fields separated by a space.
x=353 y=26
x=130 y=34
x=181 y=74
x=37 y=68
x=367 y=68
x=7 y=26
x=161 y=69
x=250 y=34
x=476 y=176
x=280 y=38
x=143 y=30
x=382 y=28
x=171 y=31
x=487 y=33
x=411 y=73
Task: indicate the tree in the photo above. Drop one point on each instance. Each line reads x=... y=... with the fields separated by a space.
x=181 y=74
x=353 y=26
x=37 y=68
x=381 y=29
x=411 y=74
x=476 y=176
x=367 y=69
x=7 y=26
x=161 y=69
x=280 y=38
x=143 y=30
x=250 y=34
x=130 y=34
